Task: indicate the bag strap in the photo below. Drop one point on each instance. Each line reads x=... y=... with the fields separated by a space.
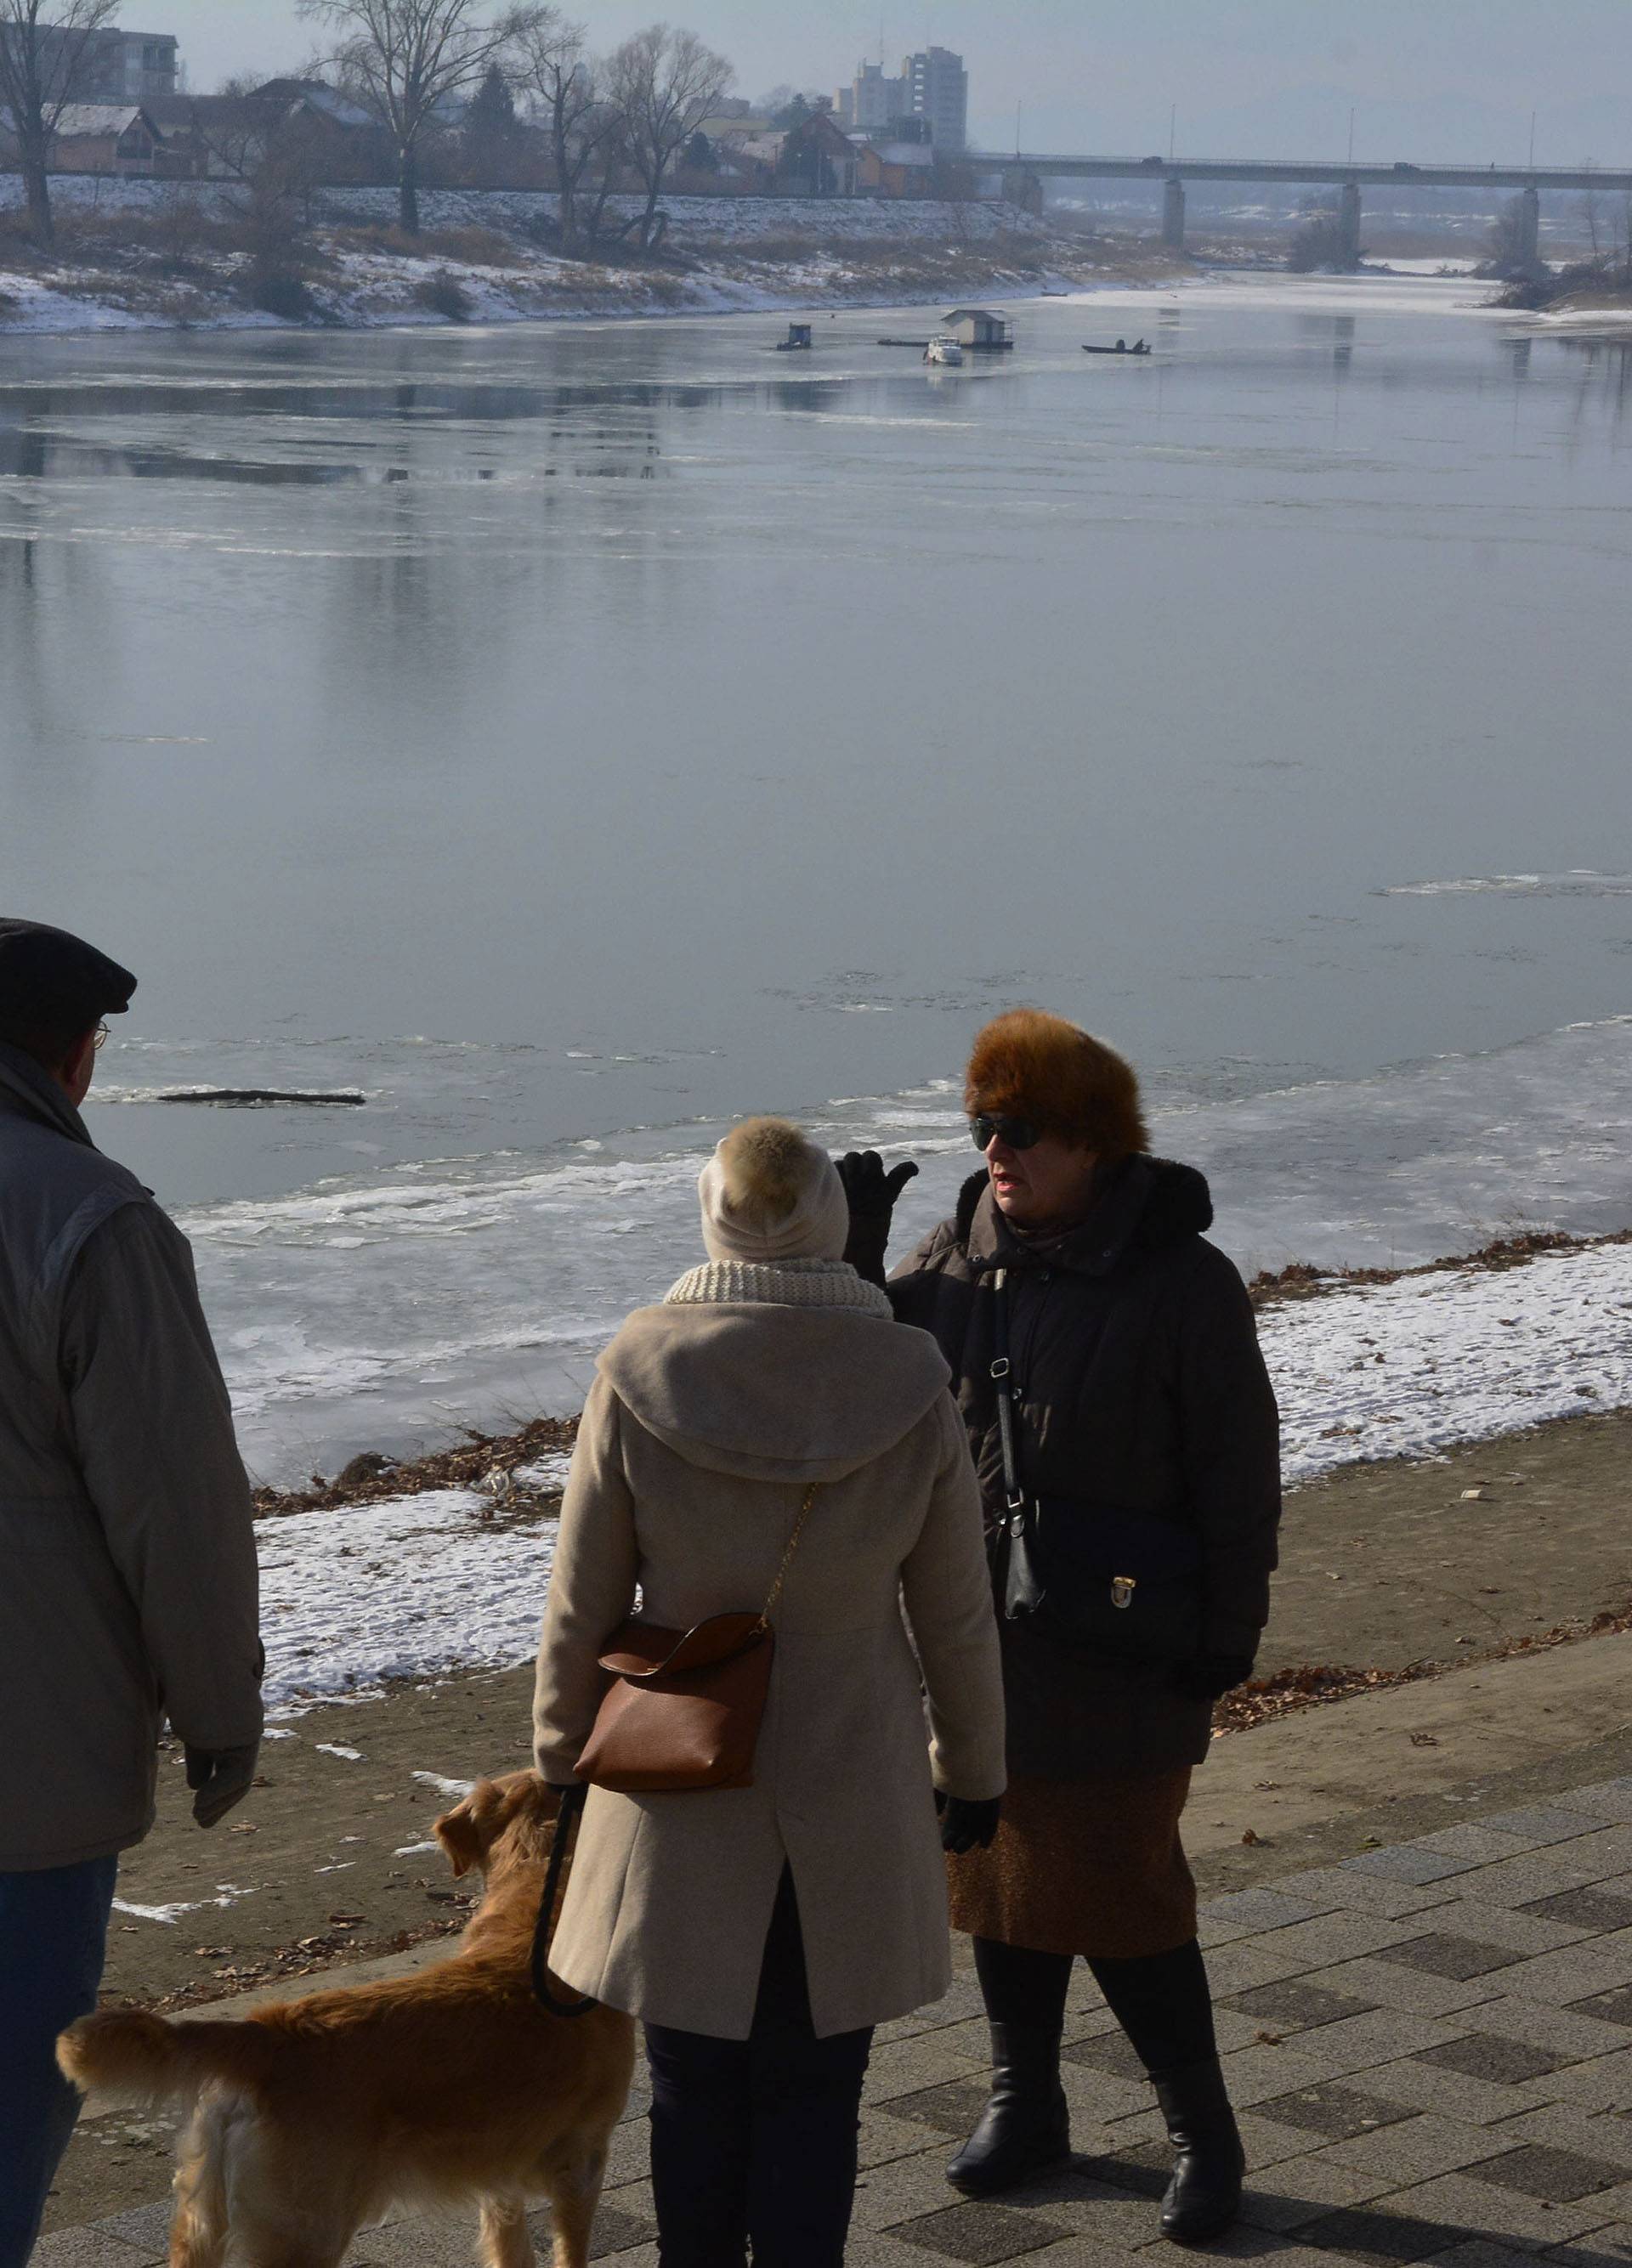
x=1003 y=1375
x=793 y=1546
x=543 y=1929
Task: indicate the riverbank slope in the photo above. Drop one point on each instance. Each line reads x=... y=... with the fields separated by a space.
x=144 y=254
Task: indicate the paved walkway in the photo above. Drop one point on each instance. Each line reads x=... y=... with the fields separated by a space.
x=1431 y=2048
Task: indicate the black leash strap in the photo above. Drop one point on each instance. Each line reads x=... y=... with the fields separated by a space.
x=543 y=1929
x=1003 y=1375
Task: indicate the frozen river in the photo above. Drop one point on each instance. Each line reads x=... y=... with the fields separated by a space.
x=569 y=737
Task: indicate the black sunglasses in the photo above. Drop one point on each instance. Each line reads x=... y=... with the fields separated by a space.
x=1017 y=1133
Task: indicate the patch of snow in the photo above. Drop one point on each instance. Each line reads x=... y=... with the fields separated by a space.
x=230 y=1894
x=333 y=1748
x=412 y=1849
x=457 y=1788
x=1404 y=1369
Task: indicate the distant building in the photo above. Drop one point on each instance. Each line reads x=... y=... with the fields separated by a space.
x=114 y=66
x=811 y=159
x=896 y=169
x=871 y=100
x=977 y=327
x=938 y=90
x=97 y=138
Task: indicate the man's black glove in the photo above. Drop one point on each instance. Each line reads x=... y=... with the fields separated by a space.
x=1210 y=1674
x=965 y=1826
x=220 y=1778
x=871 y=1193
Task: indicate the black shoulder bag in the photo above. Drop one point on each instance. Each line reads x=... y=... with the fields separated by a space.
x=1127 y=1584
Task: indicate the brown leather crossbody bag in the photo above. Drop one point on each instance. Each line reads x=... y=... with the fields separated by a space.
x=685 y=1707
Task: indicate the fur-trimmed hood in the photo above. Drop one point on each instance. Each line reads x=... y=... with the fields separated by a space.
x=774 y=1388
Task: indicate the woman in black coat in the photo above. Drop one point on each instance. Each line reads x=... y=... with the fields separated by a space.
x=1144 y=1430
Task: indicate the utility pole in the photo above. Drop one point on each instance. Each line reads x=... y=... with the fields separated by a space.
x=1017 y=130
x=1351 y=137
x=1532 y=140
x=1172 y=128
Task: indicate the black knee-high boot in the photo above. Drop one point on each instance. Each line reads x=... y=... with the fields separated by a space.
x=1025 y=2127
x=1164 y=2005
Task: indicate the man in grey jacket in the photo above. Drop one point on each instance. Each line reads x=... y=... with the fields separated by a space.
x=127 y=1581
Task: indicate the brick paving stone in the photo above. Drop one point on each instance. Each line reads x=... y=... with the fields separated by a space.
x=89 y=2247
x=1402 y=1863
x=907 y=2067
x=1329 y=1887
x=1336 y=2112
x=615 y=2231
x=1480 y=2252
x=1564 y=2126
x=1600 y=2083
x=977 y=2231
x=1612 y=2007
x=1600 y=2248
x=1572 y=2034
x=1540 y=1823
x=1598 y=1967
x=424 y=2241
x=1458 y=1958
x=1268 y=2141
x=1363 y=2233
x=1296 y=2004
x=1488 y=2056
x=1453 y=2093
x=1255 y=2075
x=1111 y=2052
x=1249 y=1961
x=1454 y=2208
x=1098 y=2096
x=1609 y=1799
x=906 y=2188
x=1386 y=1983
x=1475 y=1840
x=1525 y=1928
x=1245 y=1913
x=1294 y=2192
x=888 y=2134
x=1356 y=2043
x=147 y=2227
x=1597 y=1911
x=1416 y=2149
x=1333 y=1936
x=1537 y=1874
x=1555 y=2176
x=951 y=2109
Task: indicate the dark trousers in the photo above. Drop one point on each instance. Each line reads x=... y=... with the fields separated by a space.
x=53 y=1936
x=754 y=2141
x=1161 y=2000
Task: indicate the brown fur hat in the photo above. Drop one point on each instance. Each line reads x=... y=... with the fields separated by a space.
x=1030 y=1064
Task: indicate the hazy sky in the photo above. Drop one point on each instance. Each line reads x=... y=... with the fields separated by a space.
x=1455 y=79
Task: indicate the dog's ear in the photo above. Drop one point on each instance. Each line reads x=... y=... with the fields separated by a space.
x=457 y=1832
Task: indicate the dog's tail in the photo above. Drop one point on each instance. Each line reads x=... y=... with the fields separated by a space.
x=134 y=2056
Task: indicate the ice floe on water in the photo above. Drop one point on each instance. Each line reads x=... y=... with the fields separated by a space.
x=426 y=1585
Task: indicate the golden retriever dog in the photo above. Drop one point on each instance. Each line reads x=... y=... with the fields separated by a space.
x=449 y=2086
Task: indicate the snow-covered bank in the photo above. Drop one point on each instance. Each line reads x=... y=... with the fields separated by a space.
x=426 y=1584
x=146 y=255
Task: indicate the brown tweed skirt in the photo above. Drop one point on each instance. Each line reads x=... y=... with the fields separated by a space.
x=1091 y=1865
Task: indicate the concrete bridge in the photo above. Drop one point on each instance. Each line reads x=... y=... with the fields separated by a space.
x=1529 y=180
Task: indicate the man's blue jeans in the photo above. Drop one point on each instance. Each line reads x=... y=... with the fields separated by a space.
x=53 y=1937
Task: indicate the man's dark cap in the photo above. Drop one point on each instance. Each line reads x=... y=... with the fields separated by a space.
x=52 y=981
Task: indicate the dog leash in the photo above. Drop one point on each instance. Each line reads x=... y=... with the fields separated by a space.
x=566 y=1830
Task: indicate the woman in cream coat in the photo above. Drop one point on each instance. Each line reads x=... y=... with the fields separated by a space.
x=761 y=1933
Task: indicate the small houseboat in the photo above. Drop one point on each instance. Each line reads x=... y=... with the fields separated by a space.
x=798 y=339
x=983 y=328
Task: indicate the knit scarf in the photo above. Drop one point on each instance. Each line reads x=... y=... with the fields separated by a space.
x=790 y=1283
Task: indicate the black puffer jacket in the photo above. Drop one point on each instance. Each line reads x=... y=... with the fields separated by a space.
x=1141 y=1386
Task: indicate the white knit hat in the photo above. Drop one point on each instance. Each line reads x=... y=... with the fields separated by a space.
x=768 y=1194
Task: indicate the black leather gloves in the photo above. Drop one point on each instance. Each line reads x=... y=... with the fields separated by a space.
x=1210 y=1674
x=219 y=1778
x=871 y=1193
x=966 y=1826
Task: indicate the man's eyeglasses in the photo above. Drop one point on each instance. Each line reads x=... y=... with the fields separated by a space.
x=99 y=1038
x=1017 y=1133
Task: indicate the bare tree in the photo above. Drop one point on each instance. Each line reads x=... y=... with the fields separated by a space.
x=415 y=57
x=663 y=83
x=582 y=125
x=44 y=50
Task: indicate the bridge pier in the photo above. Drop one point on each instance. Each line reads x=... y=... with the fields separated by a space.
x=1349 y=224
x=1173 y=214
x=1529 y=246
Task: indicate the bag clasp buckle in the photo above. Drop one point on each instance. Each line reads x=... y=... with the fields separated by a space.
x=1122 y=1589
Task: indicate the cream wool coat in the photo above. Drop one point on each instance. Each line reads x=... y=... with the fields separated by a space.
x=708 y=1417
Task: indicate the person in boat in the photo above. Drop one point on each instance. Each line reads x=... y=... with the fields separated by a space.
x=1121 y=346
x=1138 y=1406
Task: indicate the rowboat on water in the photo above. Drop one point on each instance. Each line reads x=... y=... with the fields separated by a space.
x=1139 y=347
